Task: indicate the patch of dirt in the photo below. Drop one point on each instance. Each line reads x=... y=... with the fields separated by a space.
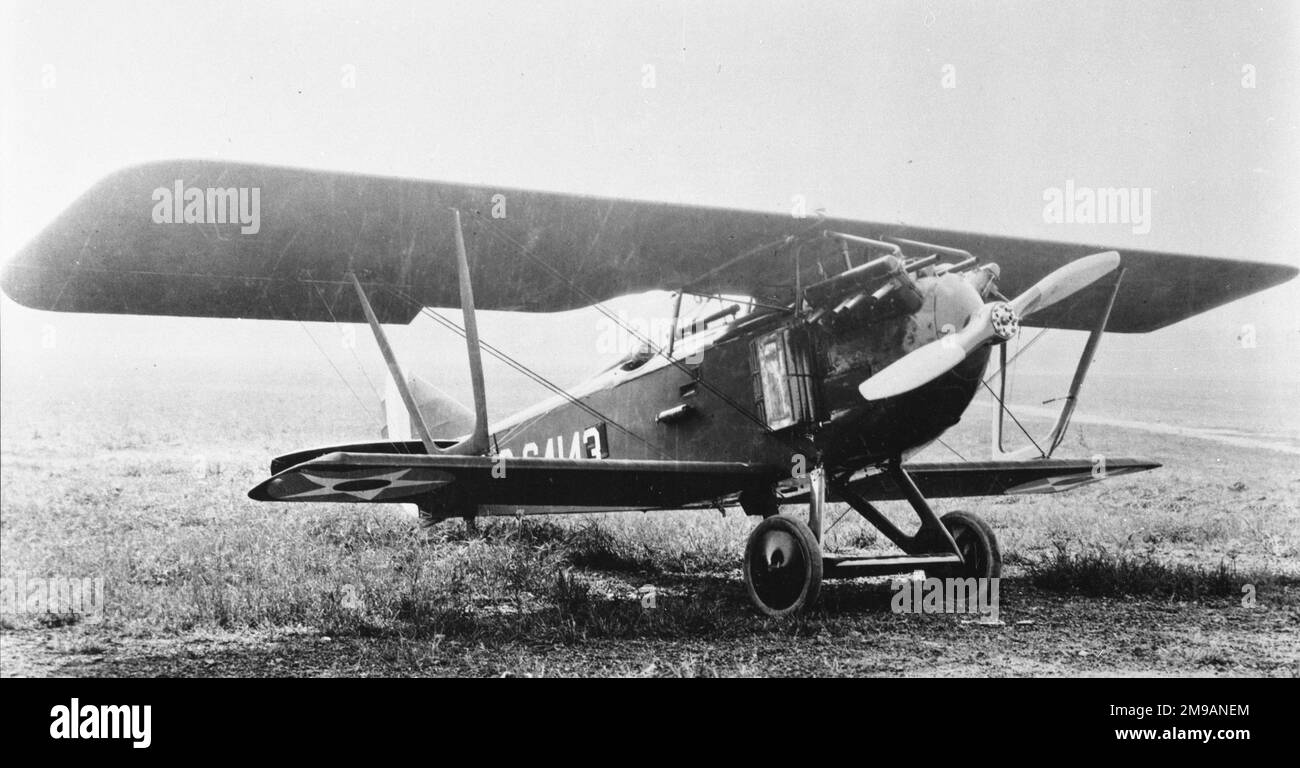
x=853 y=634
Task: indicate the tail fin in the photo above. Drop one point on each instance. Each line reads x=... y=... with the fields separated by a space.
x=445 y=416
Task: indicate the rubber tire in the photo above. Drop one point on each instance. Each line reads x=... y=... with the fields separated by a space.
x=973 y=537
x=812 y=570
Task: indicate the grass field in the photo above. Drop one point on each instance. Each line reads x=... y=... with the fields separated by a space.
x=136 y=473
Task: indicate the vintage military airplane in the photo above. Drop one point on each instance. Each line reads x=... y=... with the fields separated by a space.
x=864 y=343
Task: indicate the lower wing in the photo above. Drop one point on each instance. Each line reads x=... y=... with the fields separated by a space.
x=375 y=478
x=997 y=478
x=396 y=476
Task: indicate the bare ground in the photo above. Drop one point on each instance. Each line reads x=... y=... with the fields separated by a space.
x=1040 y=634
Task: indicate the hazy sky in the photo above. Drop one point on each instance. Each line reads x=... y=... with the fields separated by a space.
x=751 y=104
x=847 y=104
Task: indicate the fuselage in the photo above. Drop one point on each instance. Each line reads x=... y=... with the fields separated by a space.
x=768 y=388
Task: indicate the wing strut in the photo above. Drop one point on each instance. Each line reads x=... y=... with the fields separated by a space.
x=477 y=441
x=1071 y=399
x=395 y=369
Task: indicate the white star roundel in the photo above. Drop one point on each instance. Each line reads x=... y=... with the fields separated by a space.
x=369 y=484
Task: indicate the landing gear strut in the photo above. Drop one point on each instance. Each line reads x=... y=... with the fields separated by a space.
x=785 y=562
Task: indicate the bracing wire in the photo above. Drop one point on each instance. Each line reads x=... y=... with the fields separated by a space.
x=351 y=347
x=528 y=372
x=343 y=378
x=1013 y=417
x=658 y=349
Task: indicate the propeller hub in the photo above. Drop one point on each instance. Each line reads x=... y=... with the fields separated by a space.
x=1004 y=321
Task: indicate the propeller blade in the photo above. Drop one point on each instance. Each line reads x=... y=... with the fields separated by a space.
x=923 y=365
x=1067 y=280
x=927 y=363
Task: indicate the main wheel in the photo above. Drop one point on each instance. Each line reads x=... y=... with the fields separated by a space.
x=783 y=566
x=977 y=544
